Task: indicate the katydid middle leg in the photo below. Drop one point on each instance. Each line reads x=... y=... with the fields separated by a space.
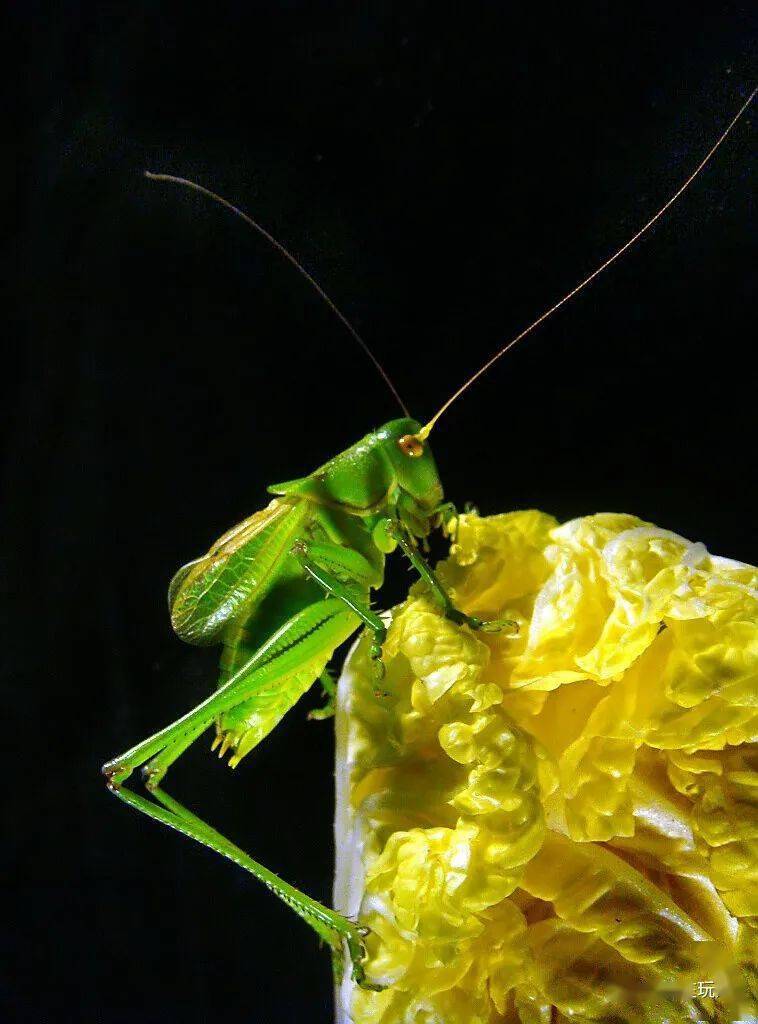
x=326 y=563
x=292 y=658
x=329 y=708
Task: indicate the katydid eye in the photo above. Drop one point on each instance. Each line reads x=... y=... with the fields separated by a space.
x=410 y=445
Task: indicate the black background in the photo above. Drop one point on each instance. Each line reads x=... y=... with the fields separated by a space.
x=446 y=171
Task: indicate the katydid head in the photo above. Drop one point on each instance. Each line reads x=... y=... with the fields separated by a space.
x=414 y=469
x=387 y=469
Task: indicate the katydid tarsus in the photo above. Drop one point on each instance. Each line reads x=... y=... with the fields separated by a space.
x=283 y=589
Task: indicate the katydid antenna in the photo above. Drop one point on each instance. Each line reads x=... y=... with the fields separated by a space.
x=427 y=429
x=216 y=198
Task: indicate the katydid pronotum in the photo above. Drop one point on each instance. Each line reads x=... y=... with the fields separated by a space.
x=283 y=589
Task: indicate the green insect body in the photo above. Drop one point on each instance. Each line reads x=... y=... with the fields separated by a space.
x=280 y=592
x=261 y=579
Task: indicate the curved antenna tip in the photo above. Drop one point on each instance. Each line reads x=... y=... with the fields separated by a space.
x=216 y=198
x=424 y=433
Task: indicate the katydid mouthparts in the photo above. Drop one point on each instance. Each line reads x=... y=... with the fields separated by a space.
x=281 y=591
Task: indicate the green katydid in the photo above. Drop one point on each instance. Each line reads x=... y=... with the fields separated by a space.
x=283 y=589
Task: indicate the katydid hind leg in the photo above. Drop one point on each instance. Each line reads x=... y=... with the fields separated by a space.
x=330 y=926
x=333 y=928
x=305 y=641
x=300 y=651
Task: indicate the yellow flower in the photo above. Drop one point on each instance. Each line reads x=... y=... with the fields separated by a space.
x=561 y=823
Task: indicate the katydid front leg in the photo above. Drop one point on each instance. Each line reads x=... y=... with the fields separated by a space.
x=275 y=676
x=396 y=530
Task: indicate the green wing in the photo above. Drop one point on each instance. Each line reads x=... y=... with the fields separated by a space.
x=213 y=590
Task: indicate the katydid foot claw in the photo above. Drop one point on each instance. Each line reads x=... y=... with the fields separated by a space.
x=358 y=954
x=369 y=986
x=488 y=625
x=377 y=665
x=498 y=625
x=493 y=625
